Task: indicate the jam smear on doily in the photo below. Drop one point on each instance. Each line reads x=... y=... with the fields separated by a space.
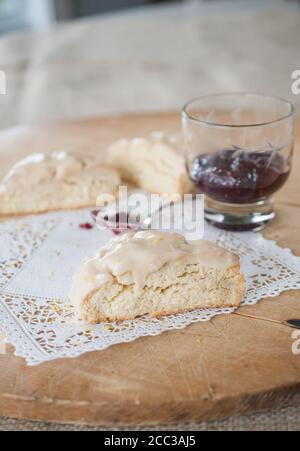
x=86 y=226
x=237 y=176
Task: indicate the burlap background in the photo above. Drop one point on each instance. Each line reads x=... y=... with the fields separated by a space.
x=281 y=420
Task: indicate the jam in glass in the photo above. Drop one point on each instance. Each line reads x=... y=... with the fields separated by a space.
x=236 y=176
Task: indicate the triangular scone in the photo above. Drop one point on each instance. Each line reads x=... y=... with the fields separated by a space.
x=153 y=165
x=155 y=273
x=59 y=180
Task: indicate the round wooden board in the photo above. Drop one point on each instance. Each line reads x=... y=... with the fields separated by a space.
x=231 y=365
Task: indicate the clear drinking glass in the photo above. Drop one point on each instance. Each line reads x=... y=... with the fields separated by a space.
x=239 y=151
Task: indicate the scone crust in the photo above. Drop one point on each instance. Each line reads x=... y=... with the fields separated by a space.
x=69 y=191
x=140 y=164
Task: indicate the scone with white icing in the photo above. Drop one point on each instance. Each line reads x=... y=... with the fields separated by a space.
x=155 y=273
x=154 y=165
x=55 y=181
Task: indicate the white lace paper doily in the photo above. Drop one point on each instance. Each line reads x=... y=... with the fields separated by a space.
x=40 y=254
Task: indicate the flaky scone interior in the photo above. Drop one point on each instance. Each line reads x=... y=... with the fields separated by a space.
x=158 y=274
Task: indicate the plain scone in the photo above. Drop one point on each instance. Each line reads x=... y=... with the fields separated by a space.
x=177 y=279
x=55 y=181
x=153 y=165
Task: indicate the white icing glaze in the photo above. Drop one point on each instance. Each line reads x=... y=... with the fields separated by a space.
x=141 y=254
x=57 y=166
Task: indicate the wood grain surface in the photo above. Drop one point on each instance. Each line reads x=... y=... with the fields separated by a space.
x=232 y=365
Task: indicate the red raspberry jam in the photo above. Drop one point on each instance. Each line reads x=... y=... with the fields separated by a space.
x=236 y=176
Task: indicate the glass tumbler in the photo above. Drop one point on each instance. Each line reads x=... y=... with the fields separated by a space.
x=239 y=151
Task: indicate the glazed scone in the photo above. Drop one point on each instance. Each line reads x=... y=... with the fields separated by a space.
x=55 y=181
x=153 y=165
x=155 y=273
